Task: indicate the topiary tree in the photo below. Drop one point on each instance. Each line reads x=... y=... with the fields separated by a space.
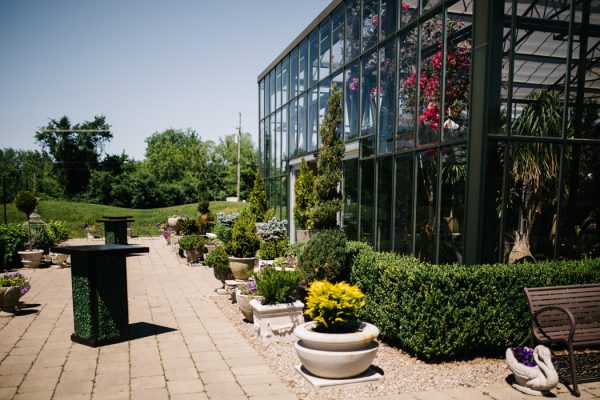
x=329 y=165
x=258 y=199
x=306 y=197
x=324 y=257
x=244 y=243
x=25 y=201
x=206 y=217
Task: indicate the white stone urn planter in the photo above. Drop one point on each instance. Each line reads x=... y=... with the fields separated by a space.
x=336 y=355
x=241 y=267
x=277 y=321
x=243 y=302
x=31 y=258
x=9 y=300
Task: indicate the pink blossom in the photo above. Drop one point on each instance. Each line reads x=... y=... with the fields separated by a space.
x=405 y=7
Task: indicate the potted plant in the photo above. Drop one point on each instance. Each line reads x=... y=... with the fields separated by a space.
x=12 y=287
x=193 y=245
x=212 y=242
x=533 y=369
x=172 y=221
x=273 y=235
x=89 y=225
x=244 y=293
x=219 y=262
x=25 y=201
x=243 y=245
x=277 y=313
x=305 y=201
x=335 y=344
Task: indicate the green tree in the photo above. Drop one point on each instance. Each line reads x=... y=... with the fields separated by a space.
x=258 y=199
x=75 y=153
x=170 y=155
x=305 y=196
x=329 y=165
x=28 y=169
x=226 y=155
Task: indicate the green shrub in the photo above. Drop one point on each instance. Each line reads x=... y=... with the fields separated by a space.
x=276 y=286
x=452 y=311
x=258 y=199
x=272 y=249
x=334 y=307
x=58 y=231
x=187 y=226
x=305 y=196
x=217 y=258
x=295 y=249
x=25 y=201
x=12 y=240
x=324 y=257
x=192 y=241
x=223 y=233
x=244 y=243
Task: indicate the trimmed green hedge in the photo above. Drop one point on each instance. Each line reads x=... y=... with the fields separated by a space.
x=454 y=311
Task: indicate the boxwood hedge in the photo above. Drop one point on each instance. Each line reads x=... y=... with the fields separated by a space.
x=439 y=312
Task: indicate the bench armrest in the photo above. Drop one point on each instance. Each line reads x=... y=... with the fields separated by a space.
x=561 y=309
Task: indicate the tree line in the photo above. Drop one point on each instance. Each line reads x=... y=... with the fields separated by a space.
x=72 y=165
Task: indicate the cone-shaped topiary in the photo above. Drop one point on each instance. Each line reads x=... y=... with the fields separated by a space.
x=25 y=201
x=244 y=241
x=258 y=199
x=306 y=197
x=329 y=165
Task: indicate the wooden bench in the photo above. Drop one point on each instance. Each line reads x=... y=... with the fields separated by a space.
x=568 y=315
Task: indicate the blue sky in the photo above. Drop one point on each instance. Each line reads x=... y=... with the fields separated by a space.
x=147 y=65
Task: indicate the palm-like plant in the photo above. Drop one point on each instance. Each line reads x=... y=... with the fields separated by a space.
x=534 y=167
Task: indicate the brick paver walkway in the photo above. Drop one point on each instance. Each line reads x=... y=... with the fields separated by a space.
x=183 y=346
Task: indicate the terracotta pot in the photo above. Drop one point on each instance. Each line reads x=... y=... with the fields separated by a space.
x=336 y=355
x=9 y=299
x=241 y=267
x=31 y=258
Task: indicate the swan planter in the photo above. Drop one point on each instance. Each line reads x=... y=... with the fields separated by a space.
x=537 y=379
x=336 y=355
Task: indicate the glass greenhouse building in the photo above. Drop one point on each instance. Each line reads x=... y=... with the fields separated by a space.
x=472 y=128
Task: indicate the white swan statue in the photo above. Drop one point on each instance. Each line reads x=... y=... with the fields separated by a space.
x=534 y=380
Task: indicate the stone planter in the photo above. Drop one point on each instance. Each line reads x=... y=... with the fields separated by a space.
x=223 y=274
x=211 y=247
x=243 y=302
x=59 y=259
x=277 y=321
x=172 y=221
x=538 y=380
x=9 y=300
x=194 y=255
x=336 y=355
x=241 y=267
x=31 y=258
x=304 y=235
x=90 y=233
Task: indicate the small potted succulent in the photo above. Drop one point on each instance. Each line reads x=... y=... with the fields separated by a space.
x=243 y=246
x=219 y=262
x=193 y=245
x=277 y=313
x=26 y=202
x=12 y=287
x=335 y=344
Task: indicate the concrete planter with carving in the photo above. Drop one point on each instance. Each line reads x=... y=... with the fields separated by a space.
x=277 y=321
x=241 y=267
x=31 y=258
x=243 y=302
x=336 y=355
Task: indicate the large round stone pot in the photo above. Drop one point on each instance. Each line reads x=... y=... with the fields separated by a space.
x=31 y=258
x=223 y=274
x=241 y=267
x=9 y=299
x=243 y=302
x=194 y=255
x=336 y=355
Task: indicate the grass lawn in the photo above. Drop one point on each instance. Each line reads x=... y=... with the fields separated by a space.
x=145 y=220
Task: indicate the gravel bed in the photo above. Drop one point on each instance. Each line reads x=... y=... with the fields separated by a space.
x=402 y=373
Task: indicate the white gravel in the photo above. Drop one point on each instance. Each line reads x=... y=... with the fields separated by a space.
x=402 y=373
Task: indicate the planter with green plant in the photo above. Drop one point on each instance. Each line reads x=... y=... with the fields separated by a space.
x=277 y=314
x=273 y=238
x=335 y=344
x=244 y=293
x=25 y=201
x=243 y=245
x=306 y=199
x=12 y=287
x=89 y=226
x=193 y=245
x=219 y=262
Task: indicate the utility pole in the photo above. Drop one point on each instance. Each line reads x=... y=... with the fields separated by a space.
x=4 y=197
x=239 y=140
